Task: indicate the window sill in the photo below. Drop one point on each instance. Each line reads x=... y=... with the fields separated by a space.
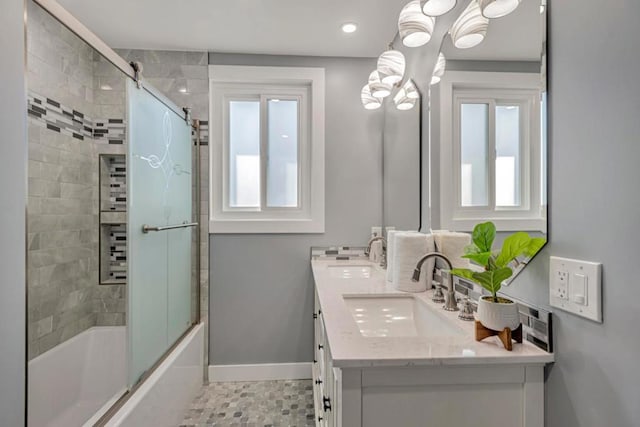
x=502 y=224
x=266 y=226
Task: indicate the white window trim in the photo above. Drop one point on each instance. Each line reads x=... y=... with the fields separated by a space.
x=310 y=217
x=455 y=84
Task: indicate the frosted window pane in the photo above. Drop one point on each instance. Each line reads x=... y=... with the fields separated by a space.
x=474 y=139
x=244 y=154
x=508 y=155
x=282 y=164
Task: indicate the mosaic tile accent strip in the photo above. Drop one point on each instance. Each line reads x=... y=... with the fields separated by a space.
x=117 y=183
x=259 y=403
x=118 y=252
x=338 y=252
x=110 y=131
x=54 y=116
x=204 y=133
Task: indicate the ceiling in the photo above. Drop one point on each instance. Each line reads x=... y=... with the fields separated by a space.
x=284 y=27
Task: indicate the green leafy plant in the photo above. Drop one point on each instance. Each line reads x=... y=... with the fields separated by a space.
x=498 y=265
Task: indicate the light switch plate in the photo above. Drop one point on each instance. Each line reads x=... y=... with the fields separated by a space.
x=576 y=286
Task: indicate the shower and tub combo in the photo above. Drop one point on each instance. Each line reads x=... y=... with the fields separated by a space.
x=114 y=330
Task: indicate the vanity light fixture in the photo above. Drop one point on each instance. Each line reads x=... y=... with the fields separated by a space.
x=378 y=88
x=410 y=89
x=406 y=97
x=349 y=27
x=391 y=65
x=497 y=8
x=368 y=101
x=437 y=7
x=415 y=27
x=438 y=71
x=470 y=28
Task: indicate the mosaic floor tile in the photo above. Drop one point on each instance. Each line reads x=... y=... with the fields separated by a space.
x=253 y=404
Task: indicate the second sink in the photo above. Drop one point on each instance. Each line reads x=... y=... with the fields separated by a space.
x=397 y=316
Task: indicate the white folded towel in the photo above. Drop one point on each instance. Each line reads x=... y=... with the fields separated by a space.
x=391 y=241
x=375 y=255
x=451 y=244
x=409 y=248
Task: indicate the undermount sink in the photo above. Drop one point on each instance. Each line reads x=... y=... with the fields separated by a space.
x=350 y=271
x=397 y=316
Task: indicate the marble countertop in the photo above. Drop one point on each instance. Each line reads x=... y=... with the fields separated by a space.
x=349 y=348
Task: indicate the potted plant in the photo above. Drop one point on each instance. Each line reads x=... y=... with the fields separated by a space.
x=494 y=312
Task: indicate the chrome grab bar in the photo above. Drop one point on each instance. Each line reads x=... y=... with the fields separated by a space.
x=147 y=228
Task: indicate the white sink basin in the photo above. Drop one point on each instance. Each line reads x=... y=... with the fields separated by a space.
x=350 y=271
x=397 y=316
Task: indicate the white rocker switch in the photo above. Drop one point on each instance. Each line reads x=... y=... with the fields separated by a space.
x=579 y=289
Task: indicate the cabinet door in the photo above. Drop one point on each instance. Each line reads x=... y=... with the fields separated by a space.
x=336 y=397
x=327 y=398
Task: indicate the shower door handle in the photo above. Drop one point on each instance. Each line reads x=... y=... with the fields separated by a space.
x=147 y=228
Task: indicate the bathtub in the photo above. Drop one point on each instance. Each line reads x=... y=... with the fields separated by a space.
x=161 y=401
x=76 y=381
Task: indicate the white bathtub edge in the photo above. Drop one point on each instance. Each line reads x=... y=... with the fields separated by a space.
x=163 y=398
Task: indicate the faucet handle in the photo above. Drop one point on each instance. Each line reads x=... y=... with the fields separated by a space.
x=438 y=296
x=466 y=313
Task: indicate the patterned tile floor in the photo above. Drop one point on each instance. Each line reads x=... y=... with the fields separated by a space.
x=253 y=404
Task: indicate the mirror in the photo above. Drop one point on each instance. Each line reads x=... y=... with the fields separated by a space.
x=401 y=167
x=484 y=137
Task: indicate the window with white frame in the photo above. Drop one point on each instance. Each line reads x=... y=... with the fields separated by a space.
x=267 y=150
x=495 y=158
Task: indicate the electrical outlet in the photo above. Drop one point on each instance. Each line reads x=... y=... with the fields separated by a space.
x=575 y=286
x=562 y=284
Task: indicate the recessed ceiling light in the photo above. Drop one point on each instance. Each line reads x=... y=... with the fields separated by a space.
x=349 y=27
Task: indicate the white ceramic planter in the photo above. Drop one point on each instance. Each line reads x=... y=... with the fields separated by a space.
x=498 y=315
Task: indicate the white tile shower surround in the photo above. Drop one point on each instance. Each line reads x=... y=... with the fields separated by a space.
x=255 y=403
x=78 y=379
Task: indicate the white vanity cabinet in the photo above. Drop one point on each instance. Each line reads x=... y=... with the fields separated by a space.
x=405 y=381
x=326 y=378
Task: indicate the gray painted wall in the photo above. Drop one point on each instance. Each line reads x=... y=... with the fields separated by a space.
x=261 y=285
x=594 y=208
x=13 y=174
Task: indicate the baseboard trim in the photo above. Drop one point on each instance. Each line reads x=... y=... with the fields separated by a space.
x=261 y=372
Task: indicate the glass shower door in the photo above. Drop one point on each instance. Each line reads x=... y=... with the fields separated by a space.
x=159 y=164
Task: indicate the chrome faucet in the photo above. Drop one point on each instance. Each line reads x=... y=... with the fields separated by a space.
x=450 y=303
x=383 y=262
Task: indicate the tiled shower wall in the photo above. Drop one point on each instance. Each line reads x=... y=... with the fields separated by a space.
x=73 y=84
x=64 y=297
